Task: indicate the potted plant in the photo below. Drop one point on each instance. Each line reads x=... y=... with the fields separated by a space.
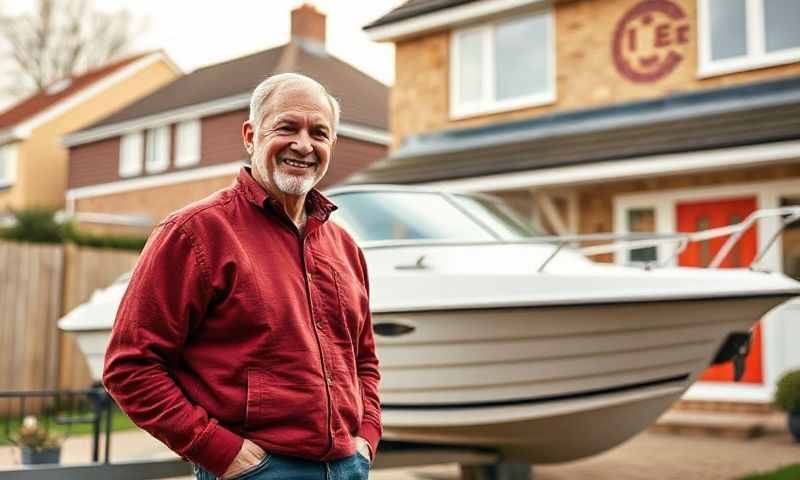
x=787 y=398
x=36 y=443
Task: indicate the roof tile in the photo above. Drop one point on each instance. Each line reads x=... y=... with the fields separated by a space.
x=40 y=101
x=414 y=8
x=364 y=100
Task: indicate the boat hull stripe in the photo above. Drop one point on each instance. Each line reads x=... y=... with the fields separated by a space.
x=544 y=399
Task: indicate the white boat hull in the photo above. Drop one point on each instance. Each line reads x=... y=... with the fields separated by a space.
x=540 y=384
x=549 y=384
x=533 y=434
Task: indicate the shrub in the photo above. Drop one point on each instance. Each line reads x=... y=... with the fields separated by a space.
x=787 y=395
x=39 y=226
x=35 y=225
x=120 y=242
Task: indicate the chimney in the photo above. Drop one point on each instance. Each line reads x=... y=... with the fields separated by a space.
x=308 y=24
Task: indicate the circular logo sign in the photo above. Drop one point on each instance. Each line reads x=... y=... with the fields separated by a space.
x=649 y=39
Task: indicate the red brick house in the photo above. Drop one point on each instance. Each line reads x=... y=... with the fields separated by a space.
x=612 y=116
x=183 y=141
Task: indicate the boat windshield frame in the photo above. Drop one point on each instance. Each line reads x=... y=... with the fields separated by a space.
x=452 y=199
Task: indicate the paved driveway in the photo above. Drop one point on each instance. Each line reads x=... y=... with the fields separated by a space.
x=646 y=457
x=651 y=456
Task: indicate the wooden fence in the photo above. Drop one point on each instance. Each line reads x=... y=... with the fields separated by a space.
x=38 y=285
x=30 y=305
x=86 y=270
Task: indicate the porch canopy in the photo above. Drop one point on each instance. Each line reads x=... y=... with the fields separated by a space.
x=717 y=128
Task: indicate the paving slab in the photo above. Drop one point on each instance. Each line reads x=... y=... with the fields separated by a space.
x=733 y=425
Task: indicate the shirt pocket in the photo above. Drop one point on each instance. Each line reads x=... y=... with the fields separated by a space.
x=352 y=302
x=298 y=411
x=345 y=300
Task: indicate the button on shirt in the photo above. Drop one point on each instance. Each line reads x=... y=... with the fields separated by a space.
x=234 y=325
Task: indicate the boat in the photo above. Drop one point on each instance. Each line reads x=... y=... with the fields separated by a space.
x=491 y=335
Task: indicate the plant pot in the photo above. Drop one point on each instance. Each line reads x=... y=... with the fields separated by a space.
x=794 y=425
x=31 y=456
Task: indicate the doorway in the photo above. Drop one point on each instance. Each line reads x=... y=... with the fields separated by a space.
x=702 y=215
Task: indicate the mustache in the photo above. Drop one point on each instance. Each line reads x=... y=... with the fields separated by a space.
x=310 y=158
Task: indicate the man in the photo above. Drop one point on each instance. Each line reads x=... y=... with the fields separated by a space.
x=244 y=341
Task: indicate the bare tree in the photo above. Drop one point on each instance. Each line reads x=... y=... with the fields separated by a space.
x=61 y=38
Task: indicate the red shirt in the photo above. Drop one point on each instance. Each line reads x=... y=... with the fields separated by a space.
x=235 y=325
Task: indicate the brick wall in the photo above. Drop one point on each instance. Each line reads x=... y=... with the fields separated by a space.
x=93 y=163
x=222 y=138
x=586 y=74
x=98 y=162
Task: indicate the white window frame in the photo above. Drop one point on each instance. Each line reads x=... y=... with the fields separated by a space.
x=488 y=104
x=9 y=153
x=756 y=56
x=664 y=222
x=156 y=161
x=187 y=154
x=131 y=154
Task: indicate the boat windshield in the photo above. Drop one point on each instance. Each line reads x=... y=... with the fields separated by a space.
x=386 y=215
x=496 y=216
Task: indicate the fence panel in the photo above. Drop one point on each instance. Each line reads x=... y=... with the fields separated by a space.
x=31 y=279
x=87 y=269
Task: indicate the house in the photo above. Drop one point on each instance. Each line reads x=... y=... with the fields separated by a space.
x=182 y=142
x=33 y=162
x=612 y=116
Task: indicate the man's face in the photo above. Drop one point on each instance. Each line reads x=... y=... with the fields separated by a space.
x=293 y=142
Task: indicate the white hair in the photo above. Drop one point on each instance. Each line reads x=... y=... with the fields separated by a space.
x=266 y=88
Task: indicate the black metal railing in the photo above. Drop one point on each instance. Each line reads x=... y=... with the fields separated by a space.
x=66 y=411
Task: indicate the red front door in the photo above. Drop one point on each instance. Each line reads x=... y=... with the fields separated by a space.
x=712 y=214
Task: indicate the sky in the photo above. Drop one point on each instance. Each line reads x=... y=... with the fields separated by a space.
x=200 y=33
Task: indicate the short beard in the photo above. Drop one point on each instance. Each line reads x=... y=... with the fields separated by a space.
x=292 y=184
x=288 y=184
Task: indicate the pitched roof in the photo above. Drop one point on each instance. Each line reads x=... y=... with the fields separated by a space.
x=716 y=118
x=364 y=100
x=414 y=8
x=40 y=101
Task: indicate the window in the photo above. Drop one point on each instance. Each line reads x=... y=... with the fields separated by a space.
x=502 y=65
x=739 y=35
x=642 y=220
x=187 y=143
x=157 y=152
x=8 y=165
x=130 y=155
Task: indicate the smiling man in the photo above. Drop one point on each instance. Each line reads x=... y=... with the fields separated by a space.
x=244 y=341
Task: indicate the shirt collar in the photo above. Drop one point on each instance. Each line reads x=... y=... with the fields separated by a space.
x=317 y=204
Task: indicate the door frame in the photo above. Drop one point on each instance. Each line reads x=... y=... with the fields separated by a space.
x=767 y=195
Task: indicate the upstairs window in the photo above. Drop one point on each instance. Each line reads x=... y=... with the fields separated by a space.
x=187 y=143
x=8 y=165
x=502 y=65
x=130 y=155
x=157 y=152
x=738 y=35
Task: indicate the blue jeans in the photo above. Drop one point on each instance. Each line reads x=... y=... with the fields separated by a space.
x=281 y=467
